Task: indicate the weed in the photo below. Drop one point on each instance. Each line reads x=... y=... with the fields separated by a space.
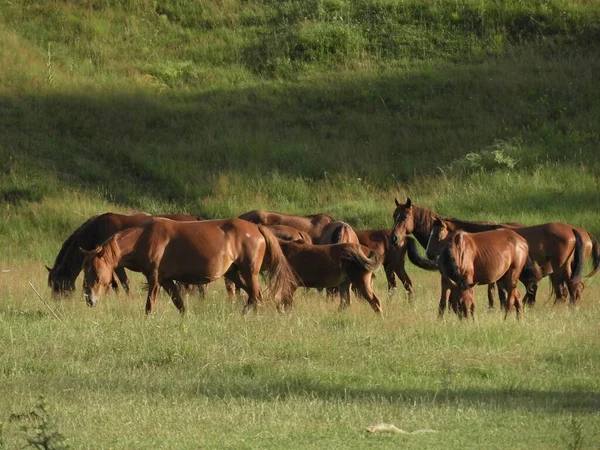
x=39 y=429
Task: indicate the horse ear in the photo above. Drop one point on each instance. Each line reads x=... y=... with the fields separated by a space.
x=438 y=222
x=408 y=202
x=84 y=251
x=397 y=202
x=48 y=268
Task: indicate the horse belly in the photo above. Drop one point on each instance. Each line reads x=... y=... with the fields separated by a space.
x=191 y=263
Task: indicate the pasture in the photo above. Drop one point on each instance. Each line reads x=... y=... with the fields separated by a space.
x=480 y=110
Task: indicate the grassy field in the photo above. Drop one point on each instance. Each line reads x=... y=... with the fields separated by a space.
x=308 y=379
x=477 y=109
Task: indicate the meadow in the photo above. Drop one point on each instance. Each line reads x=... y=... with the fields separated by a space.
x=481 y=110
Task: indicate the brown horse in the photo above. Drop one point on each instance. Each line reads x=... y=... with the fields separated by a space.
x=337 y=232
x=326 y=266
x=192 y=252
x=468 y=259
x=550 y=244
x=312 y=224
x=93 y=232
x=394 y=257
x=288 y=233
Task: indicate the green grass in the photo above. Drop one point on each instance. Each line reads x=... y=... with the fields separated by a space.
x=476 y=109
x=311 y=378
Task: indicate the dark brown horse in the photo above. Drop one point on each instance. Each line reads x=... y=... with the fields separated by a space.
x=468 y=259
x=550 y=244
x=312 y=224
x=93 y=232
x=191 y=252
x=327 y=266
x=394 y=257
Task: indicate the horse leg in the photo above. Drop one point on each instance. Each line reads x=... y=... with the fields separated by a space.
x=405 y=279
x=467 y=303
x=171 y=289
x=249 y=275
x=444 y=297
x=203 y=290
x=391 y=278
x=491 y=295
x=153 y=288
x=560 y=291
x=502 y=295
x=363 y=287
x=344 y=294
x=122 y=276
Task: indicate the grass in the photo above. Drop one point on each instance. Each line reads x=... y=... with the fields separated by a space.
x=314 y=376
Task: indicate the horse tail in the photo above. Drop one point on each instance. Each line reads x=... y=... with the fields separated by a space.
x=356 y=256
x=595 y=256
x=336 y=236
x=451 y=268
x=578 y=254
x=415 y=258
x=282 y=278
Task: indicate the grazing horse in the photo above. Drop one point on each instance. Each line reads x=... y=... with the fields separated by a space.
x=288 y=233
x=313 y=224
x=326 y=266
x=550 y=244
x=394 y=257
x=192 y=252
x=93 y=232
x=468 y=259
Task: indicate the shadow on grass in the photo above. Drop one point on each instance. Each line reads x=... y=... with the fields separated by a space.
x=172 y=148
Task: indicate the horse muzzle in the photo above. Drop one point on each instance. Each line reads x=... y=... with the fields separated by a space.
x=90 y=299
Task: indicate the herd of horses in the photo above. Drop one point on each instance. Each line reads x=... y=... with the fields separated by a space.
x=178 y=252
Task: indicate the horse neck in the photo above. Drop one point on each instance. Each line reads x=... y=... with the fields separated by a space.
x=122 y=244
x=423 y=220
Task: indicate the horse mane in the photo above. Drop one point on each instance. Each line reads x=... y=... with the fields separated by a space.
x=72 y=240
x=87 y=236
x=449 y=266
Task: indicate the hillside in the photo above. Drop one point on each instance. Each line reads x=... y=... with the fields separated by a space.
x=480 y=108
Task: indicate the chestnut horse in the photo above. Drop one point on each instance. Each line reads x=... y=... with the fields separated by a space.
x=93 y=232
x=327 y=266
x=468 y=259
x=312 y=224
x=337 y=232
x=192 y=252
x=550 y=244
x=394 y=257
x=288 y=233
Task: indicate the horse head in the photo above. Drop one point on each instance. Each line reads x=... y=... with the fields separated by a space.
x=404 y=222
x=59 y=283
x=437 y=238
x=97 y=275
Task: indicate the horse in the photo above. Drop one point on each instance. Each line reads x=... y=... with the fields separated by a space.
x=468 y=259
x=311 y=224
x=550 y=244
x=192 y=252
x=327 y=266
x=288 y=233
x=94 y=231
x=394 y=257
